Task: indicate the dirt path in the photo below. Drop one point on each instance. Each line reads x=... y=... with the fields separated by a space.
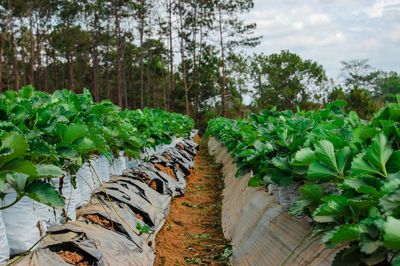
x=192 y=233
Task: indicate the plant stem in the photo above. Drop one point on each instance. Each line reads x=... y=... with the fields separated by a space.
x=29 y=250
x=298 y=245
x=19 y=197
x=109 y=199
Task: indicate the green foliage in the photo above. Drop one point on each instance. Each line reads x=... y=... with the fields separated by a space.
x=359 y=100
x=284 y=79
x=42 y=134
x=358 y=161
x=143 y=229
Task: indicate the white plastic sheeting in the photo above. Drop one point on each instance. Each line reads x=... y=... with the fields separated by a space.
x=27 y=221
x=70 y=195
x=137 y=198
x=261 y=231
x=22 y=224
x=4 y=248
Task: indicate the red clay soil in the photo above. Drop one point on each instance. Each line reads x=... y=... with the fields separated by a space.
x=72 y=258
x=100 y=220
x=192 y=233
x=166 y=170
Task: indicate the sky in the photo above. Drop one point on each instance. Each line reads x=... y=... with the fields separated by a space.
x=330 y=31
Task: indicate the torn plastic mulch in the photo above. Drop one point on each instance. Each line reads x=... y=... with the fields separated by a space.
x=109 y=232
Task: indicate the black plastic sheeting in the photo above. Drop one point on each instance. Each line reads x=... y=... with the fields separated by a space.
x=139 y=196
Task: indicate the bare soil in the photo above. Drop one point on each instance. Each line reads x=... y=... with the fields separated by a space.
x=73 y=258
x=166 y=170
x=100 y=220
x=192 y=233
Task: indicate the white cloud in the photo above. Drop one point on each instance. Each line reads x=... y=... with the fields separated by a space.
x=331 y=31
x=298 y=25
x=380 y=6
x=319 y=19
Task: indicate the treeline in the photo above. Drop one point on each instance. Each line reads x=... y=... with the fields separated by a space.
x=287 y=81
x=171 y=54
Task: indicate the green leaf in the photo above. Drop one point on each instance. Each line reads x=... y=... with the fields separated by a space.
x=343 y=233
x=313 y=191
x=15 y=142
x=254 y=182
x=379 y=152
x=393 y=164
x=259 y=146
x=319 y=172
x=333 y=208
x=344 y=157
x=299 y=206
x=17 y=181
x=347 y=257
x=339 y=103
x=392 y=183
x=74 y=132
x=354 y=119
x=361 y=186
x=280 y=178
x=361 y=134
x=304 y=157
x=20 y=166
x=369 y=247
x=84 y=145
x=45 y=193
x=281 y=163
x=245 y=153
x=360 y=207
x=390 y=203
x=326 y=154
x=27 y=92
x=49 y=170
x=359 y=166
x=392 y=233
x=396 y=260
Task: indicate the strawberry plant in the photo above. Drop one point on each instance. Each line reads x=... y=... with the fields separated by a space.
x=358 y=160
x=42 y=134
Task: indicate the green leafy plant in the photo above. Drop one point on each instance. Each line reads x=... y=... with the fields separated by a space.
x=42 y=134
x=349 y=171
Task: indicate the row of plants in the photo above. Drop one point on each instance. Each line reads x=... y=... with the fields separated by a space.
x=358 y=160
x=43 y=134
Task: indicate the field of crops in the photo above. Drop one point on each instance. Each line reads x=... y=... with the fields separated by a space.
x=43 y=134
x=348 y=169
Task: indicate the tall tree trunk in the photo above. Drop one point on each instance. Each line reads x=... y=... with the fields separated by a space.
x=3 y=43
x=171 y=58
x=15 y=58
x=223 y=63
x=183 y=59
x=148 y=76
x=124 y=74
x=39 y=57
x=141 y=32
x=23 y=66
x=108 y=90
x=55 y=69
x=199 y=67
x=46 y=74
x=133 y=90
x=32 y=60
x=154 y=89
x=70 y=70
x=163 y=85
x=118 y=44
x=195 y=74
x=95 y=58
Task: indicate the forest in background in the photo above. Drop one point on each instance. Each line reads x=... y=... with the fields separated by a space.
x=184 y=56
